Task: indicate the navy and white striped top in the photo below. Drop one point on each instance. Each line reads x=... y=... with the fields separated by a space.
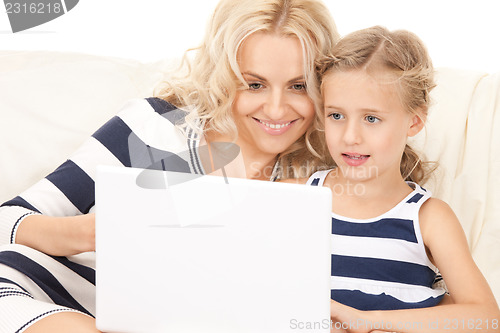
x=381 y=263
x=140 y=134
x=34 y=285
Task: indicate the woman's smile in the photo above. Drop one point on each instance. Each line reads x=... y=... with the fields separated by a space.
x=274 y=127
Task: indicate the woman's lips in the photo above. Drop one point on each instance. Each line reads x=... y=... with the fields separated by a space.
x=355 y=159
x=274 y=127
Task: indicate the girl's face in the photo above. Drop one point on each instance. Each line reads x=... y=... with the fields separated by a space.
x=275 y=110
x=366 y=126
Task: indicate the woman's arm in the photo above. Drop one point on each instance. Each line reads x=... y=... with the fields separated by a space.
x=474 y=306
x=58 y=236
x=52 y=216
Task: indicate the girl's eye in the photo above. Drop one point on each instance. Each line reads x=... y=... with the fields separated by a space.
x=255 y=86
x=372 y=119
x=336 y=116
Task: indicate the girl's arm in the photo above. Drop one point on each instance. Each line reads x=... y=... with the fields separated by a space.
x=474 y=306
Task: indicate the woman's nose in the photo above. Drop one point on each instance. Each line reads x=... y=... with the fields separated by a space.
x=275 y=105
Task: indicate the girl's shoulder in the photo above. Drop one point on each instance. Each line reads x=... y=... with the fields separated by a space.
x=437 y=219
x=294 y=181
x=435 y=213
x=434 y=207
x=319 y=178
x=316 y=179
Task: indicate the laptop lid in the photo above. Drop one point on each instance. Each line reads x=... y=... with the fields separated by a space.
x=210 y=254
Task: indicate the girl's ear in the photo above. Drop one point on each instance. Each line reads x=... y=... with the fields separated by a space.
x=417 y=122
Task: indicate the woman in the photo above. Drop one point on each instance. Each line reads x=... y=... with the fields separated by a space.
x=252 y=82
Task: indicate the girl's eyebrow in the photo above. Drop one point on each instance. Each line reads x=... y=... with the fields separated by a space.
x=364 y=110
x=331 y=107
x=370 y=110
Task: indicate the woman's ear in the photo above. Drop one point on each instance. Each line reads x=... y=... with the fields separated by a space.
x=417 y=122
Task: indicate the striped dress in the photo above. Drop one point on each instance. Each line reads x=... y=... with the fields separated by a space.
x=34 y=285
x=381 y=263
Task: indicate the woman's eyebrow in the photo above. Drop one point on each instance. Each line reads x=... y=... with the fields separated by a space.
x=298 y=78
x=254 y=75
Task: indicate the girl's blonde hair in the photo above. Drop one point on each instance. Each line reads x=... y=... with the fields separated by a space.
x=213 y=77
x=405 y=56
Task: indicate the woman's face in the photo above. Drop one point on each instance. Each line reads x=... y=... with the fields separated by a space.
x=275 y=110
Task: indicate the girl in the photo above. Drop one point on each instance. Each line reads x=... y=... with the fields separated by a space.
x=247 y=85
x=388 y=235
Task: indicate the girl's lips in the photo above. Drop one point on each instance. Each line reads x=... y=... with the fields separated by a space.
x=274 y=127
x=354 y=159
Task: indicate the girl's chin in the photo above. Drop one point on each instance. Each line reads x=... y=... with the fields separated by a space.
x=358 y=174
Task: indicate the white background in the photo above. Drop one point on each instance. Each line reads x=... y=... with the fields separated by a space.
x=461 y=34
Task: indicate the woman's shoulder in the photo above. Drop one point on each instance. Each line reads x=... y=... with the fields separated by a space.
x=143 y=123
x=150 y=116
x=164 y=108
x=152 y=107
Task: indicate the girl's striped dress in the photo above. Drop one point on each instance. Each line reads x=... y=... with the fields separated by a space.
x=381 y=263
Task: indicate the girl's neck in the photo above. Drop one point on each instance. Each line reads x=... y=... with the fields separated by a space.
x=366 y=198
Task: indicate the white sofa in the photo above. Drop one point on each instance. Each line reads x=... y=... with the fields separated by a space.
x=51 y=102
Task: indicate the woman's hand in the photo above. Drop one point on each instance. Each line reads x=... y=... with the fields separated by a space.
x=58 y=236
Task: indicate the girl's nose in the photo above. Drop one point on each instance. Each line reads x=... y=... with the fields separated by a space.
x=352 y=133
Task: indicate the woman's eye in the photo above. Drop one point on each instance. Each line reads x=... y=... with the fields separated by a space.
x=372 y=119
x=299 y=87
x=255 y=86
x=336 y=116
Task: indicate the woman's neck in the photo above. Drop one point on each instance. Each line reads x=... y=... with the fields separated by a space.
x=250 y=163
x=258 y=166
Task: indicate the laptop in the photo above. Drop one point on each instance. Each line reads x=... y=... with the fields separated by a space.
x=178 y=253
